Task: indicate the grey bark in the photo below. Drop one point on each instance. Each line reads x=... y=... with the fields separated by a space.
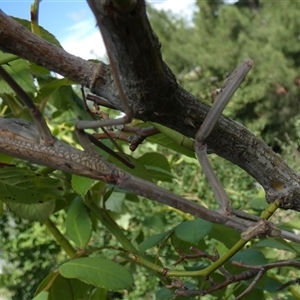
x=153 y=92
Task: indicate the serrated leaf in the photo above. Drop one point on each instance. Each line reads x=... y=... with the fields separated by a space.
x=24 y=186
x=99 y=272
x=193 y=231
x=39 y=212
x=81 y=185
x=153 y=241
x=78 y=223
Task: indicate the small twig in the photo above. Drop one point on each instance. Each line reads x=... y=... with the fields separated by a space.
x=100 y=101
x=289 y=283
x=198 y=254
x=121 y=155
x=258 y=276
x=278 y=264
x=234 y=278
x=135 y=140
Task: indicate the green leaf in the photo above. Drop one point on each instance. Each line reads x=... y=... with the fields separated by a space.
x=157 y=165
x=61 y=289
x=39 y=212
x=59 y=95
x=100 y=293
x=164 y=294
x=258 y=203
x=19 y=70
x=64 y=288
x=42 y=296
x=115 y=202
x=193 y=231
x=24 y=186
x=78 y=223
x=250 y=257
x=153 y=241
x=81 y=185
x=46 y=282
x=225 y=235
x=98 y=271
x=139 y=170
x=276 y=244
x=156 y=222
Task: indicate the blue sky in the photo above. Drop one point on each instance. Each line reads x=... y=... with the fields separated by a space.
x=73 y=24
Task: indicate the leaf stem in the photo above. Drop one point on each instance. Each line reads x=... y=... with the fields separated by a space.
x=59 y=238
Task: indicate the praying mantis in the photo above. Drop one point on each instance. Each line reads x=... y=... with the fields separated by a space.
x=35 y=143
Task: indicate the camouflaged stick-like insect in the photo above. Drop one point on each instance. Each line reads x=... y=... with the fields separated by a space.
x=23 y=140
x=226 y=91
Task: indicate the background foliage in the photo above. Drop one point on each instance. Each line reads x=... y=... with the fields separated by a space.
x=201 y=52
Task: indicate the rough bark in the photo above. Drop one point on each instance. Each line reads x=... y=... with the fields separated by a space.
x=153 y=93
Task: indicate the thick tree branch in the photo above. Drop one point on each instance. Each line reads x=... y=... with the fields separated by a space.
x=153 y=92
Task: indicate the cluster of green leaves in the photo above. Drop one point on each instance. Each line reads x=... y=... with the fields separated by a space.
x=95 y=225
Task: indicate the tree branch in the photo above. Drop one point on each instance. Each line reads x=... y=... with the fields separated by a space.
x=153 y=92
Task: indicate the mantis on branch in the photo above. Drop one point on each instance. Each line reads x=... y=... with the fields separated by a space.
x=36 y=144
x=32 y=142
